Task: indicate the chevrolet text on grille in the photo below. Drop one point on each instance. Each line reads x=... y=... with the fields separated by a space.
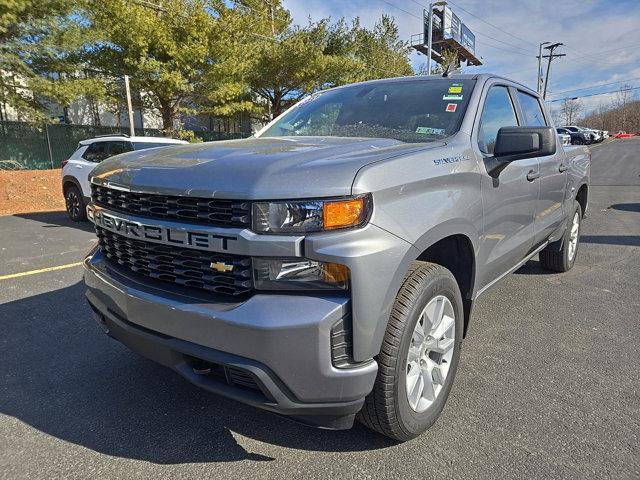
x=159 y=234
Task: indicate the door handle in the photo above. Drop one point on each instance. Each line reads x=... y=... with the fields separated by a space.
x=563 y=168
x=532 y=175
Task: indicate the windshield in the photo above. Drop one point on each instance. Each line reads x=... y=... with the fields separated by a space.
x=409 y=111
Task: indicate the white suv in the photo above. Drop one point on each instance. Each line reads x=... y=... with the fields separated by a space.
x=75 y=171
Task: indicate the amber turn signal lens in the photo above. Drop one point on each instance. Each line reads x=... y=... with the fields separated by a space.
x=343 y=213
x=335 y=274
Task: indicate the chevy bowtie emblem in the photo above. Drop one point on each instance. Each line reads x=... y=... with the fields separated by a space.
x=221 y=267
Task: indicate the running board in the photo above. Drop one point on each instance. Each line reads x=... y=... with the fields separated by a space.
x=511 y=270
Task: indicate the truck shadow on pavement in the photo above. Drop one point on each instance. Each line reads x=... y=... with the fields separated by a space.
x=56 y=219
x=64 y=377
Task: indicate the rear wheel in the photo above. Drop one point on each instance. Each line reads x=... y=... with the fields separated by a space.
x=562 y=260
x=419 y=355
x=75 y=204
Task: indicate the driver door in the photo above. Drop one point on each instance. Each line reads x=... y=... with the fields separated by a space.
x=509 y=201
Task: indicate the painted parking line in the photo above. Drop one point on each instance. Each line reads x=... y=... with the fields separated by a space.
x=40 y=270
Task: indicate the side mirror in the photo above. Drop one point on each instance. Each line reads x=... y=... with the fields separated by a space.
x=517 y=143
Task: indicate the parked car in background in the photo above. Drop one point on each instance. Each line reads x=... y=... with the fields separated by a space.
x=622 y=134
x=597 y=134
x=578 y=137
x=565 y=138
x=605 y=134
x=90 y=152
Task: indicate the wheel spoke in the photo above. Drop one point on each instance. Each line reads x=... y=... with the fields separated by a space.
x=414 y=354
x=415 y=387
x=443 y=327
x=434 y=313
x=418 y=333
x=443 y=346
x=438 y=374
x=428 y=390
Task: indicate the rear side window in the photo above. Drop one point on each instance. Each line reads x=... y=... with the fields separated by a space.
x=96 y=152
x=498 y=112
x=99 y=151
x=531 y=110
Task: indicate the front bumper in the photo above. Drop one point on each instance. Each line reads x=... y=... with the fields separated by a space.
x=271 y=351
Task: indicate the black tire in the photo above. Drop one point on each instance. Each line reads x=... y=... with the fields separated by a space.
x=561 y=260
x=578 y=141
x=386 y=408
x=76 y=208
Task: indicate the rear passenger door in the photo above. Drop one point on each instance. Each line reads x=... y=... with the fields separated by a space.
x=509 y=201
x=553 y=178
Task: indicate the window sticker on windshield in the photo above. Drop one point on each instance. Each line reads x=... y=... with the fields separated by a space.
x=430 y=131
x=455 y=88
x=452 y=97
x=451 y=107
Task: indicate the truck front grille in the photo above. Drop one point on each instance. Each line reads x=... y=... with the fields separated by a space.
x=207 y=211
x=182 y=266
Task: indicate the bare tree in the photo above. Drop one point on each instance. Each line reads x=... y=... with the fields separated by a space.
x=570 y=109
x=623 y=98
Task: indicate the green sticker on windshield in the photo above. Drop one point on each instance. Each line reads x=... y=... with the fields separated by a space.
x=430 y=131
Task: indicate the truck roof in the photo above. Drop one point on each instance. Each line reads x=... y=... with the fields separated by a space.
x=459 y=76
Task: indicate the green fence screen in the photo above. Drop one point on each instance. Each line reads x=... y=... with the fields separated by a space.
x=40 y=147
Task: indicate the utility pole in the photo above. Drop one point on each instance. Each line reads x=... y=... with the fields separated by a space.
x=132 y=129
x=539 y=77
x=551 y=56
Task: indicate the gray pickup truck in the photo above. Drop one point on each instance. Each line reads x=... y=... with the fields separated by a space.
x=326 y=269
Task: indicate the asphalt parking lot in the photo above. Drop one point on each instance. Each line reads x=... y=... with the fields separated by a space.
x=548 y=383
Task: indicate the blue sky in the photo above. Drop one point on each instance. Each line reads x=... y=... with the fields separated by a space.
x=602 y=38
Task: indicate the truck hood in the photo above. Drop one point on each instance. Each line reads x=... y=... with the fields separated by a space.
x=251 y=169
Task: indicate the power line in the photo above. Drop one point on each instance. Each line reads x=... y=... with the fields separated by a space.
x=591 y=95
x=596 y=86
x=502 y=49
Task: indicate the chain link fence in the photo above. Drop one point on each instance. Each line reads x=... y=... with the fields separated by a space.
x=41 y=146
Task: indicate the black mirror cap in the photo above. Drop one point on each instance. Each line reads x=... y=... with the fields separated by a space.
x=517 y=143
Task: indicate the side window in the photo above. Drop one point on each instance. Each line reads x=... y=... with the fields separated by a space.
x=533 y=116
x=96 y=152
x=498 y=112
x=119 y=147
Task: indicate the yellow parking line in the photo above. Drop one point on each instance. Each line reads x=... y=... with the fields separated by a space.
x=40 y=270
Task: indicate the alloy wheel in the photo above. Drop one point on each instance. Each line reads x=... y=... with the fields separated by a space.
x=430 y=353
x=573 y=236
x=73 y=204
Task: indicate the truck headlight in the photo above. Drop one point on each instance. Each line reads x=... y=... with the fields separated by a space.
x=303 y=216
x=299 y=274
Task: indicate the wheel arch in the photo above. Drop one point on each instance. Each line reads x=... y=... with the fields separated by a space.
x=68 y=181
x=456 y=253
x=454 y=244
x=582 y=197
